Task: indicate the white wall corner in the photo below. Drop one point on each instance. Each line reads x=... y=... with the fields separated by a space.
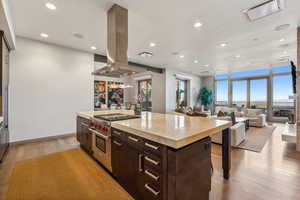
x=6 y=23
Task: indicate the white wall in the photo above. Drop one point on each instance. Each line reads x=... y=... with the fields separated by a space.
x=48 y=85
x=193 y=89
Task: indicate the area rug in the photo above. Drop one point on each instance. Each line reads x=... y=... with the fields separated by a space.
x=256 y=138
x=68 y=175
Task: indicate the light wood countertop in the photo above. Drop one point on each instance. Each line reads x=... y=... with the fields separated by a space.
x=175 y=131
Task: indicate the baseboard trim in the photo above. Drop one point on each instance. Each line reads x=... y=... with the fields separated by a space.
x=42 y=139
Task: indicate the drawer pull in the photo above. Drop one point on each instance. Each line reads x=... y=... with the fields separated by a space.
x=148 y=187
x=117 y=143
x=140 y=162
x=117 y=132
x=151 y=160
x=133 y=139
x=152 y=175
x=151 y=146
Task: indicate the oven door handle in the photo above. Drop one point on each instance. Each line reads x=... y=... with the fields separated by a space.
x=98 y=134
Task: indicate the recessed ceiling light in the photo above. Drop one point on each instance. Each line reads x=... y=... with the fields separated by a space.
x=196 y=61
x=145 y=54
x=78 y=35
x=223 y=45
x=181 y=56
x=51 y=6
x=282 y=27
x=152 y=44
x=207 y=65
x=198 y=25
x=93 y=47
x=44 y=35
x=285 y=52
x=282 y=40
x=237 y=56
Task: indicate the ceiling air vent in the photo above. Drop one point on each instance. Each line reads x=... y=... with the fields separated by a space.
x=264 y=9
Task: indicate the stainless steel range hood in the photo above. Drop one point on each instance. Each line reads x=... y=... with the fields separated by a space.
x=117 y=45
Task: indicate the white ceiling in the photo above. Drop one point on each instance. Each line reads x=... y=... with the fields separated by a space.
x=169 y=23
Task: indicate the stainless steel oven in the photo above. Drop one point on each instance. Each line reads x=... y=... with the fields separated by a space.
x=100 y=128
x=101 y=147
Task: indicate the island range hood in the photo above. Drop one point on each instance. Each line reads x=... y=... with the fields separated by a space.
x=117 y=45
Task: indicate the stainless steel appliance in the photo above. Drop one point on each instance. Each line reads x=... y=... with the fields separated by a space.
x=100 y=128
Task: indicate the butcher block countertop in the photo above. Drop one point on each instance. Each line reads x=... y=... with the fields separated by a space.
x=173 y=130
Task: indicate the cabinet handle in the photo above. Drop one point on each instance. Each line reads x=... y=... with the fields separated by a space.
x=117 y=143
x=151 y=146
x=133 y=139
x=151 y=160
x=148 y=187
x=117 y=132
x=151 y=175
x=84 y=124
x=140 y=162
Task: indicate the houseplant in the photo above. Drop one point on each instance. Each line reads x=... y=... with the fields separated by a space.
x=205 y=97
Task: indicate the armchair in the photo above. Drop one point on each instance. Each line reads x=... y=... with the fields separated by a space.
x=256 y=117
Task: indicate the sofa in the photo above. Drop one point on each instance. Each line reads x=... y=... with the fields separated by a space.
x=238 y=133
x=256 y=116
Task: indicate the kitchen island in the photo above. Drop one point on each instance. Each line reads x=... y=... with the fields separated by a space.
x=165 y=156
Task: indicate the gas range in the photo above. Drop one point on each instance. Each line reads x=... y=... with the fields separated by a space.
x=102 y=123
x=100 y=128
x=115 y=117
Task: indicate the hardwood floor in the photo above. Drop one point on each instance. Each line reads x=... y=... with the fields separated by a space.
x=272 y=174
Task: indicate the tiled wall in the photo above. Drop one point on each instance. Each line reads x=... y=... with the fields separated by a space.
x=298 y=89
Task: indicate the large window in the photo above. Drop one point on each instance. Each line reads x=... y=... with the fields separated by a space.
x=282 y=91
x=258 y=72
x=239 y=93
x=258 y=93
x=267 y=89
x=222 y=92
x=181 y=93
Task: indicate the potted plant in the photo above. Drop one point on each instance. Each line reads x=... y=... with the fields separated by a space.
x=205 y=97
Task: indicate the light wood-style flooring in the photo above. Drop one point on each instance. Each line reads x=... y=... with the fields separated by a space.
x=273 y=174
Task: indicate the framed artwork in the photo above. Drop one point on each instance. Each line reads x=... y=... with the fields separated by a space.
x=99 y=93
x=115 y=93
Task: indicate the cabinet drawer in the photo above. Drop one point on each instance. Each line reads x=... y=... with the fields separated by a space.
x=152 y=176
x=151 y=192
x=118 y=134
x=134 y=141
x=153 y=161
x=153 y=147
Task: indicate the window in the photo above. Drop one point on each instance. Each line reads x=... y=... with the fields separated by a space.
x=282 y=90
x=145 y=92
x=250 y=73
x=181 y=93
x=239 y=93
x=222 y=92
x=222 y=76
x=282 y=69
x=258 y=93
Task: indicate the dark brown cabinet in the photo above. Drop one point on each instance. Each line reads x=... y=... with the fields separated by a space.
x=151 y=171
x=83 y=135
x=4 y=74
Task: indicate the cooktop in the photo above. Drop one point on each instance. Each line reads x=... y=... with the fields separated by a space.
x=115 y=117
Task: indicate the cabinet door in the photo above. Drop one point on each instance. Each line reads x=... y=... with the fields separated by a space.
x=118 y=160
x=134 y=172
x=78 y=130
x=86 y=137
